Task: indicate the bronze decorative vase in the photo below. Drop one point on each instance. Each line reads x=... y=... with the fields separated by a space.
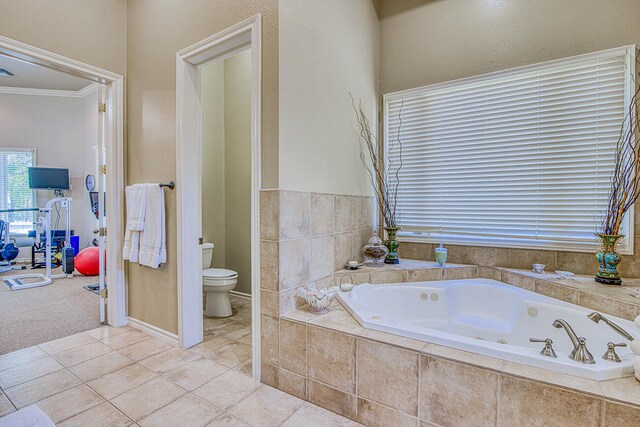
x=392 y=244
x=609 y=260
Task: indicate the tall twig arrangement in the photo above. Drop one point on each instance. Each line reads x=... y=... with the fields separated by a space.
x=625 y=179
x=374 y=157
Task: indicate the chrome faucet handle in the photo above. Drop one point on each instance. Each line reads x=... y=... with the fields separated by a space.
x=548 y=346
x=610 y=355
x=581 y=354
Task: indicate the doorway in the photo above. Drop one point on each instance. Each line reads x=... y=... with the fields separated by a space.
x=95 y=96
x=245 y=36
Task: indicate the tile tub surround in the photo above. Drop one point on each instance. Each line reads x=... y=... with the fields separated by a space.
x=144 y=383
x=379 y=379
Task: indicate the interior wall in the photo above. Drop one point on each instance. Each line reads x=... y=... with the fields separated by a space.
x=328 y=49
x=424 y=42
x=59 y=128
x=226 y=160
x=156 y=30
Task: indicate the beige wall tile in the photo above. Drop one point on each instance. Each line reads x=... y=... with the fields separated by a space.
x=331 y=358
x=269 y=303
x=322 y=257
x=488 y=273
x=425 y=275
x=364 y=213
x=519 y=280
x=269 y=337
x=396 y=368
x=322 y=214
x=295 y=215
x=459 y=273
x=343 y=247
x=345 y=210
x=269 y=214
x=269 y=265
x=269 y=375
x=525 y=258
x=334 y=400
x=293 y=346
x=579 y=263
x=529 y=403
x=475 y=255
x=621 y=415
x=609 y=305
x=388 y=276
x=453 y=393
x=419 y=251
x=557 y=291
x=289 y=299
x=358 y=277
x=374 y=415
x=294 y=384
x=295 y=263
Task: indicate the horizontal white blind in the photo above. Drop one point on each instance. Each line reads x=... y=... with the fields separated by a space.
x=523 y=156
x=14 y=189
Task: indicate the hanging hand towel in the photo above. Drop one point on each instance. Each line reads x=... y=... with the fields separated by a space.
x=153 y=250
x=136 y=196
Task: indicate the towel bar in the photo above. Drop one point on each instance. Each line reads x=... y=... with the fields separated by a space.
x=171 y=185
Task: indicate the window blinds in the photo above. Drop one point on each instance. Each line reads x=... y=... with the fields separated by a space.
x=520 y=158
x=14 y=189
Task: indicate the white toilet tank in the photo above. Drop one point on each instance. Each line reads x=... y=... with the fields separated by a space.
x=207 y=255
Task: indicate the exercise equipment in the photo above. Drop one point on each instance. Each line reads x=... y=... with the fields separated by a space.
x=87 y=262
x=8 y=251
x=32 y=280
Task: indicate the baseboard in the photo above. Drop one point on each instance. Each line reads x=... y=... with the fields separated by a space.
x=240 y=294
x=154 y=331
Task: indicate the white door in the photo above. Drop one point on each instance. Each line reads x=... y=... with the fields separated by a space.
x=101 y=179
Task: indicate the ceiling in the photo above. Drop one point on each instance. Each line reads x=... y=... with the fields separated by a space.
x=27 y=75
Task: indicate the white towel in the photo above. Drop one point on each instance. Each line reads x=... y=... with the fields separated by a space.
x=31 y=416
x=153 y=251
x=136 y=203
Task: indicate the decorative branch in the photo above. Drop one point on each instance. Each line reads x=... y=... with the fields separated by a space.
x=374 y=159
x=625 y=179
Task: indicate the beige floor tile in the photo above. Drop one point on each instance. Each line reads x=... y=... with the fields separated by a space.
x=247 y=339
x=235 y=331
x=148 y=398
x=41 y=388
x=122 y=380
x=237 y=301
x=189 y=410
x=5 y=405
x=213 y=324
x=108 y=331
x=71 y=402
x=310 y=415
x=20 y=357
x=227 y=389
x=169 y=360
x=61 y=344
x=245 y=368
x=103 y=415
x=82 y=353
x=267 y=407
x=231 y=355
x=28 y=371
x=227 y=420
x=211 y=344
x=125 y=339
x=145 y=348
x=196 y=373
x=101 y=365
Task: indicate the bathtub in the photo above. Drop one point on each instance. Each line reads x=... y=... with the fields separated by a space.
x=491 y=318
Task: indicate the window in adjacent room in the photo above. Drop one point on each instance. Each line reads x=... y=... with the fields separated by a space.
x=520 y=158
x=14 y=188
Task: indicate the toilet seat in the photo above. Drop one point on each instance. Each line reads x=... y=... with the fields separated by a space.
x=212 y=274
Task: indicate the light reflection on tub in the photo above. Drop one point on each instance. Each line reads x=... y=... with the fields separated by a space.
x=492 y=318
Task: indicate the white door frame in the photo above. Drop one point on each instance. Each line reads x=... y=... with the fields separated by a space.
x=114 y=141
x=189 y=175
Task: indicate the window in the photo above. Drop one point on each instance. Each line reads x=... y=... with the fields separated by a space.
x=14 y=188
x=520 y=158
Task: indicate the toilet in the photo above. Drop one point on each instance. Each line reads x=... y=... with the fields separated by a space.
x=216 y=284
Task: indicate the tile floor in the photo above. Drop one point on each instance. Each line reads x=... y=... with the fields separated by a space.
x=123 y=377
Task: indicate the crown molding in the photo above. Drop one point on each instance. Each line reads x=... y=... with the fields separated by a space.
x=50 y=92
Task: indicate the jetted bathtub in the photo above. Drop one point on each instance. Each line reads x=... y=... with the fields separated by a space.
x=492 y=318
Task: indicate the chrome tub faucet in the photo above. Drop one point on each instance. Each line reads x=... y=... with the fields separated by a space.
x=580 y=352
x=596 y=317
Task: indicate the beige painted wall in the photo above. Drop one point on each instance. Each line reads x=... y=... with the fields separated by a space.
x=430 y=41
x=327 y=49
x=226 y=159
x=156 y=30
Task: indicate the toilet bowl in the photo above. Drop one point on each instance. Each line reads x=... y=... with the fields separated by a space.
x=216 y=284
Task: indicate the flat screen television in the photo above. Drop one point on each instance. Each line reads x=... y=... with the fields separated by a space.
x=48 y=178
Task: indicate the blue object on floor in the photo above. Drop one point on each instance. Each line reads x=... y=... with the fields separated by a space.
x=75 y=244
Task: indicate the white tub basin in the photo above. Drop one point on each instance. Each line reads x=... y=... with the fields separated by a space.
x=492 y=318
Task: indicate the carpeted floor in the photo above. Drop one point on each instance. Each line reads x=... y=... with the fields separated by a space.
x=37 y=315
